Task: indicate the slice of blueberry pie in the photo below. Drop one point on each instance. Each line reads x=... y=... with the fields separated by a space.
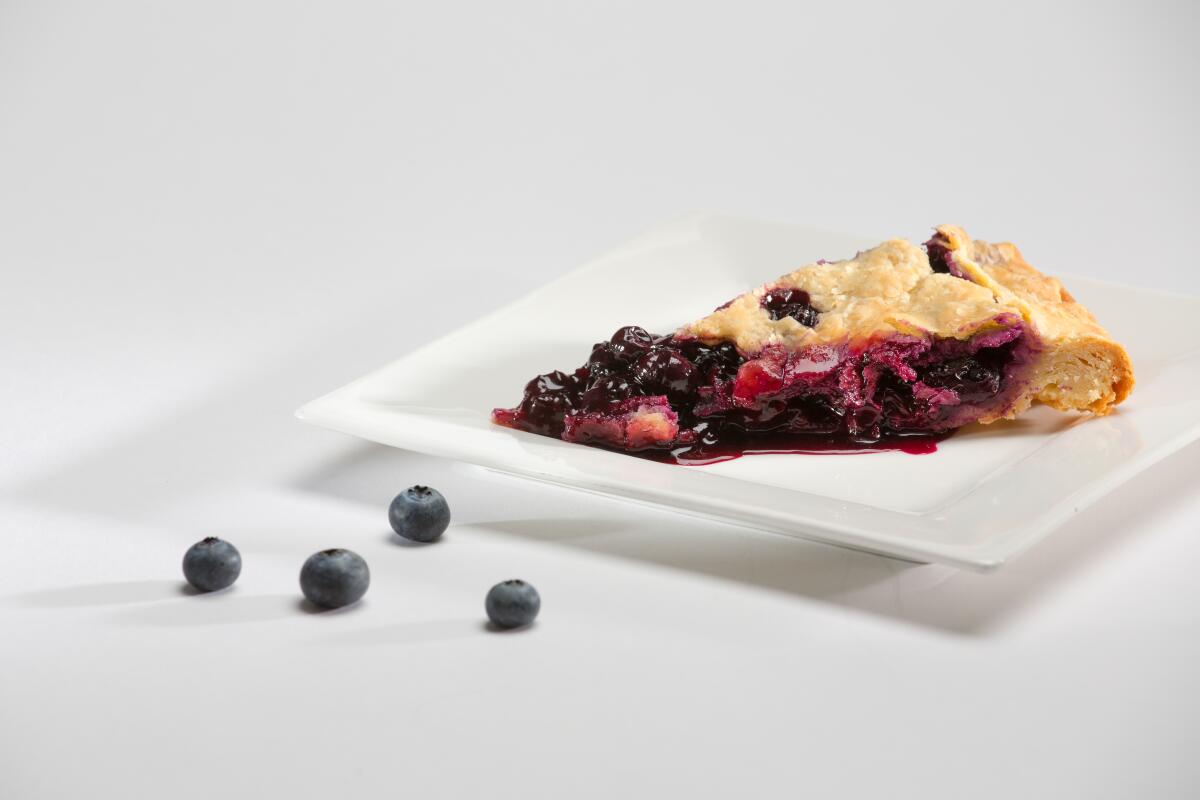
x=898 y=341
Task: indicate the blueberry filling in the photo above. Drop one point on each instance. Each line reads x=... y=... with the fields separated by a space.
x=643 y=392
x=782 y=302
x=973 y=378
x=667 y=371
x=941 y=259
x=629 y=343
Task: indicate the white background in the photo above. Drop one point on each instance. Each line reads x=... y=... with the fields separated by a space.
x=212 y=212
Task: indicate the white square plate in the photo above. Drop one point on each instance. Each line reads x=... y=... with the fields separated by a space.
x=986 y=495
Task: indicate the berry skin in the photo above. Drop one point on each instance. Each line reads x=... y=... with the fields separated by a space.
x=419 y=513
x=334 y=578
x=605 y=392
x=628 y=343
x=511 y=604
x=550 y=382
x=781 y=302
x=603 y=359
x=212 y=564
x=665 y=370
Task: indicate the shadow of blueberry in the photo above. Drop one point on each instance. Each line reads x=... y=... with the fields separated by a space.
x=492 y=627
x=309 y=607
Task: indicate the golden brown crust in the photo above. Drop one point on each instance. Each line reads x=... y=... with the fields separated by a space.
x=892 y=288
x=1080 y=367
x=887 y=289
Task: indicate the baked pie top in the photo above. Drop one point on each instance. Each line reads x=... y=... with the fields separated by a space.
x=887 y=289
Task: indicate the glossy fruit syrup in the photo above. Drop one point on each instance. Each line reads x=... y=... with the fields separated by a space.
x=699 y=455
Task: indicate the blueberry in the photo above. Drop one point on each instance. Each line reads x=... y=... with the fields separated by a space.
x=550 y=382
x=211 y=564
x=665 y=370
x=545 y=411
x=334 y=578
x=630 y=342
x=605 y=392
x=721 y=361
x=970 y=377
x=419 y=513
x=603 y=359
x=782 y=302
x=512 y=604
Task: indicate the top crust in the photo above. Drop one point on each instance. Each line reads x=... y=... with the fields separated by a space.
x=887 y=289
x=892 y=289
x=1081 y=367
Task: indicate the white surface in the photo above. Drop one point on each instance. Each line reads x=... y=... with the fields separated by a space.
x=209 y=215
x=988 y=494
